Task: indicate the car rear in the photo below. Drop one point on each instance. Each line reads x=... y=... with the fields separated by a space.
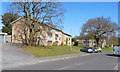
x=95 y=50
x=90 y=50
x=116 y=50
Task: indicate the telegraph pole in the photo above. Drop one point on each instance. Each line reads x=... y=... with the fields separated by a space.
x=71 y=40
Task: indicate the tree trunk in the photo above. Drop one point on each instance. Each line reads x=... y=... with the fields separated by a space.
x=97 y=41
x=31 y=38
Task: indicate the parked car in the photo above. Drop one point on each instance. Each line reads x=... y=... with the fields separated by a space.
x=116 y=50
x=89 y=50
x=86 y=49
x=95 y=50
x=99 y=49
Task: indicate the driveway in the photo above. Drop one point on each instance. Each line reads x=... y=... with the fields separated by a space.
x=13 y=56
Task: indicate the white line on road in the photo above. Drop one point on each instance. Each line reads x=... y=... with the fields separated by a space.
x=57 y=59
x=48 y=60
x=73 y=65
x=62 y=58
x=116 y=67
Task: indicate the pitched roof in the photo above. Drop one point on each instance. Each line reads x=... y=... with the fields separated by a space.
x=43 y=24
x=17 y=20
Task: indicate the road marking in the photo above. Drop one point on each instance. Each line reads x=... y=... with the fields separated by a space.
x=68 y=57
x=62 y=58
x=85 y=55
x=116 y=67
x=43 y=61
x=73 y=65
x=57 y=59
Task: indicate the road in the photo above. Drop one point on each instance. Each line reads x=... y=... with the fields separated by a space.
x=100 y=61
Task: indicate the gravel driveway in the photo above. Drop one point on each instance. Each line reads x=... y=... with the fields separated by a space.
x=13 y=56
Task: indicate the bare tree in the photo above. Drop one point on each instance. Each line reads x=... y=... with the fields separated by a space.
x=113 y=41
x=98 y=27
x=35 y=14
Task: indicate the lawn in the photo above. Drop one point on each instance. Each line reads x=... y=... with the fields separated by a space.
x=41 y=51
x=107 y=49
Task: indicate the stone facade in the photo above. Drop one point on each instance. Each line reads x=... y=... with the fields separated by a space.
x=91 y=42
x=50 y=36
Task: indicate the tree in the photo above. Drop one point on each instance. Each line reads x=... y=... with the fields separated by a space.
x=7 y=18
x=74 y=40
x=43 y=12
x=113 y=40
x=98 y=27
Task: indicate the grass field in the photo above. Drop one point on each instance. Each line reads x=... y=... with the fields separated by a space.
x=40 y=51
x=107 y=49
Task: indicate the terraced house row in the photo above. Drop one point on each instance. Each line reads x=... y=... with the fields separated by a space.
x=48 y=36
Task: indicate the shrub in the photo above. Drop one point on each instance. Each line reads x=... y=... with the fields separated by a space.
x=76 y=43
x=55 y=44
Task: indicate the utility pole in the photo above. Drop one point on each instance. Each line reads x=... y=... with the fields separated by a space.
x=71 y=40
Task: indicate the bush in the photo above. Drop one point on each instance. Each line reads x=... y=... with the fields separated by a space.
x=55 y=44
x=61 y=44
x=106 y=46
x=76 y=43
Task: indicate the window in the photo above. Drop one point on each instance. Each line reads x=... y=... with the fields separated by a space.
x=88 y=42
x=56 y=41
x=84 y=42
x=80 y=42
x=49 y=36
x=50 y=41
x=56 y=37
x=69 y=38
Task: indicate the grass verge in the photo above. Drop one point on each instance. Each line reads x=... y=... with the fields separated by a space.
x=107 y=49
x=41 y=51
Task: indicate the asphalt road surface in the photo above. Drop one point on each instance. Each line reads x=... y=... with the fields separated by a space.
x=100 y=61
